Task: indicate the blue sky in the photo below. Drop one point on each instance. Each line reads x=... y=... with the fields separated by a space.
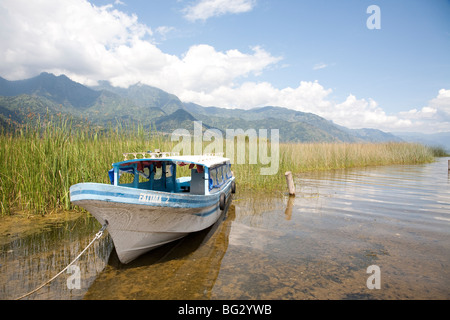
x=312 y=56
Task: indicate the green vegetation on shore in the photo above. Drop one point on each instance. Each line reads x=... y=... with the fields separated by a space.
x=39 y=162
x=305 y=157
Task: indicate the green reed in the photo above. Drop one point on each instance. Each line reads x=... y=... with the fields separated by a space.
x=41 y=160
x=304 y=157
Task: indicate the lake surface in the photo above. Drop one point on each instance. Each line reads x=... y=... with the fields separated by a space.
x=317 y=245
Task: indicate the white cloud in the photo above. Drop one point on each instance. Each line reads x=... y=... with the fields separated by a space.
x=205 y=9
x=435 y=117
x=62 y=36
x=90 y=43
x=204 y=69
x=320 y=66
x=442 y=104
x=163 y=31
x=354 y=113
x=307 y=97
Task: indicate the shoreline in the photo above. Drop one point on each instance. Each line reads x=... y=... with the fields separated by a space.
x=39 y=164
x=279 y=187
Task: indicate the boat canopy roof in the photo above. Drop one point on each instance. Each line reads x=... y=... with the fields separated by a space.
x=208 y=160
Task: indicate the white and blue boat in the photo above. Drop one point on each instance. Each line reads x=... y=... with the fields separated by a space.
x=152 y=206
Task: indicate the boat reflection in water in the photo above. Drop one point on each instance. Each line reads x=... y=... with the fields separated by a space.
x=184 y=269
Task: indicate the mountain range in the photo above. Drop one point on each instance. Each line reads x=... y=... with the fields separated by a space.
x=165 y=112
x=441 y=139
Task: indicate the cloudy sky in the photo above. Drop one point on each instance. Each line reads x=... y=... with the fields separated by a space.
x=314 y=56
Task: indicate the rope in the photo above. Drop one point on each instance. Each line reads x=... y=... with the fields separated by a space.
x=97 y=236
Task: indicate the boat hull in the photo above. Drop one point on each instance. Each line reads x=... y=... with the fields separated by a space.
x=141 y=220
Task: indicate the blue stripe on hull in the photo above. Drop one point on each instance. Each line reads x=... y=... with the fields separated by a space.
x=208 y=213
x=110 y=193
x=162 y=201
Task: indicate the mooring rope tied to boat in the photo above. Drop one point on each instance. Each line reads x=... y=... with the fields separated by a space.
x=98 y=235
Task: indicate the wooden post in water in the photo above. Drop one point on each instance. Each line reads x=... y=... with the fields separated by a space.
x=448 y=166
x=290 y=183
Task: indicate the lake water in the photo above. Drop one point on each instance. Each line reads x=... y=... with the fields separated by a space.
x=317 y=245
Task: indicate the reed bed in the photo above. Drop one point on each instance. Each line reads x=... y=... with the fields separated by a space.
x=40 y=161
x=306 y=157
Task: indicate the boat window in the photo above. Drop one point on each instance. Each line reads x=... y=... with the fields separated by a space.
x=229 y=175
x=169 y=170
x=146 y=172
x=126 y=177
x=213 y=174
x=158 y=173
x=211 y=182
x=220 y=175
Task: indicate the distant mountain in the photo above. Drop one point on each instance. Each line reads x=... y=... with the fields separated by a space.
x=60 y=90
x=441 y=139
x=293 y=125
x=150 y=106
x=371 y=135
x=180 y=119
x=145 y=96
x=58 y=94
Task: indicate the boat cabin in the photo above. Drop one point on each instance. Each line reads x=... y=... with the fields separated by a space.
x=158 y=172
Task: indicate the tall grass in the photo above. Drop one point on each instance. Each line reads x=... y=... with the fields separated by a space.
x=439 y=151
x=40 y=161
x=304 y=157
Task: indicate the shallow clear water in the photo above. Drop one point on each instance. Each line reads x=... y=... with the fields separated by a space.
x=317 y=245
